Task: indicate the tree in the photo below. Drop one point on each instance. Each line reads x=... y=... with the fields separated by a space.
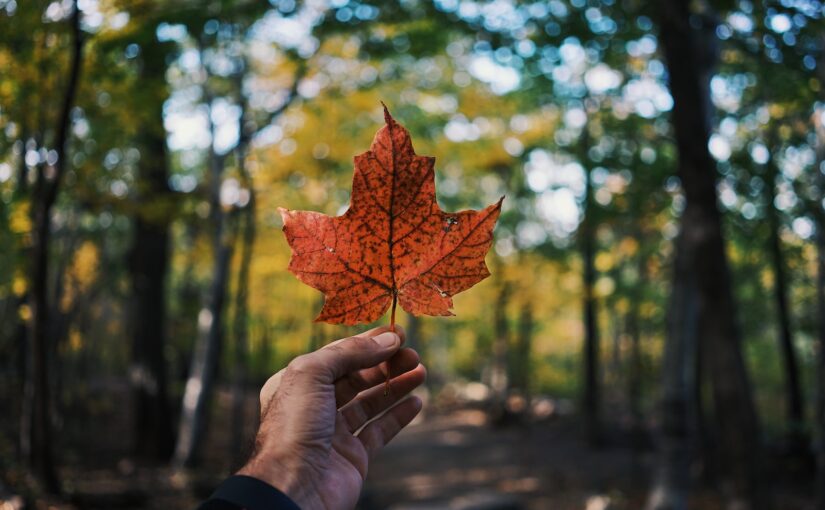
x=149 y=256
x=671 y=488
x=37 y=427
x=591 y=400
x=204 y=364
x=206 y=356
x=819 y=414
x=794 y=405
x=690 y=54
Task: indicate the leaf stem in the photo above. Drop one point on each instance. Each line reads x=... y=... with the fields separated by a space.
x=392 y=314
x=392 y=328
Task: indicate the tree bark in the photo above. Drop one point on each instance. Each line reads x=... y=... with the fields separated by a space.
x=633 y=326
x=204 y=365
x=819 y=425
x=820 y=374
x=794 y=399
x=153 y=435
x=241 y=325
x=149 y=256
x=37 y=438
x=499 y=380
x=672 y=486
x=691 y=55
x=241 y=330
x=591 y=396
x=524 y=348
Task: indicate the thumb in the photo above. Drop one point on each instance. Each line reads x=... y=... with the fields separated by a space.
x=336 y=360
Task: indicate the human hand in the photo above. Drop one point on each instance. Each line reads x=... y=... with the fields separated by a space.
x=307 y=445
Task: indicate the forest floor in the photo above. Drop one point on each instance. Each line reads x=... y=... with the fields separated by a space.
x=450 y=459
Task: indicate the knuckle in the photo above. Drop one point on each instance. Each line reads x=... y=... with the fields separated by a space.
x=335 y=349
x=303 y=364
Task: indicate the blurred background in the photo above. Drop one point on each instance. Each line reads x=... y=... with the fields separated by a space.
x=652 y=333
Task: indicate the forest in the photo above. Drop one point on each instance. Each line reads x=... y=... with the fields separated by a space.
x=652 y=335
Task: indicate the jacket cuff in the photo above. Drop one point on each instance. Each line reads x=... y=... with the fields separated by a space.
x=250 y=494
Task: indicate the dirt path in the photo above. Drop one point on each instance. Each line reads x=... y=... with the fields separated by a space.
x=456 y=461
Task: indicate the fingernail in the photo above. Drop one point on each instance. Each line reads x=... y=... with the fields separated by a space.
x=387 y=340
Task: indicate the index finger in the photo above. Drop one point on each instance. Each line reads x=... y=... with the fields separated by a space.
x=274 y=382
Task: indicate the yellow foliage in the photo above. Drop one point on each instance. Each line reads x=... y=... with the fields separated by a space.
x=767 y=278
x=604 y=261
x=622 y=305
x=19 y=285
x=628 y=246
x=19 y=218
x=648 y=310
x=81 y=273
x=75 y=340
x=604 y=286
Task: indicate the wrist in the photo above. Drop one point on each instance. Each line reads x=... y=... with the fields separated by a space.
x=286 y=476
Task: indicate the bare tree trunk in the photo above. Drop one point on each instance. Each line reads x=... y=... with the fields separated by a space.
x=153 y=435
x=794 y=399
x=820 y=393
x=672 y=486
x=241 y=326
x=204 y=366
x=633 y=326
x=499 y=380
x=819 y=426
x=691 y=54
x=591 y=397
x=37 y=440
x=524 y=348
x=241 y=333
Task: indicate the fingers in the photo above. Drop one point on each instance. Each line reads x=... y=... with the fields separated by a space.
x=353 y=383
x=312 y=364
x=375 y=331
x=336 y=360
x=373 y=401
x=378 y=433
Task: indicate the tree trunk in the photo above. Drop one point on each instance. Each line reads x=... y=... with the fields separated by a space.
x=633 y=326
x=820 y=393
x=591 y=397
x=36 y=437
x=499 y=380
x=153 y=435
x=794 y=399
x=819 y=216
x=241 y=336
x=149 y=256
x=204 y=366
x=672 y=485
x=241 y=326
x=524 y=348
x=691 y=55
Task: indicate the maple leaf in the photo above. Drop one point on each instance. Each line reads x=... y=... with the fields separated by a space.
x=393 y=243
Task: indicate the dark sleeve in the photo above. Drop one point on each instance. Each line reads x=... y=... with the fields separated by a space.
x=241 y=492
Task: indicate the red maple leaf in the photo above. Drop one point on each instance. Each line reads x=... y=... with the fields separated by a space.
x=393 y=243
